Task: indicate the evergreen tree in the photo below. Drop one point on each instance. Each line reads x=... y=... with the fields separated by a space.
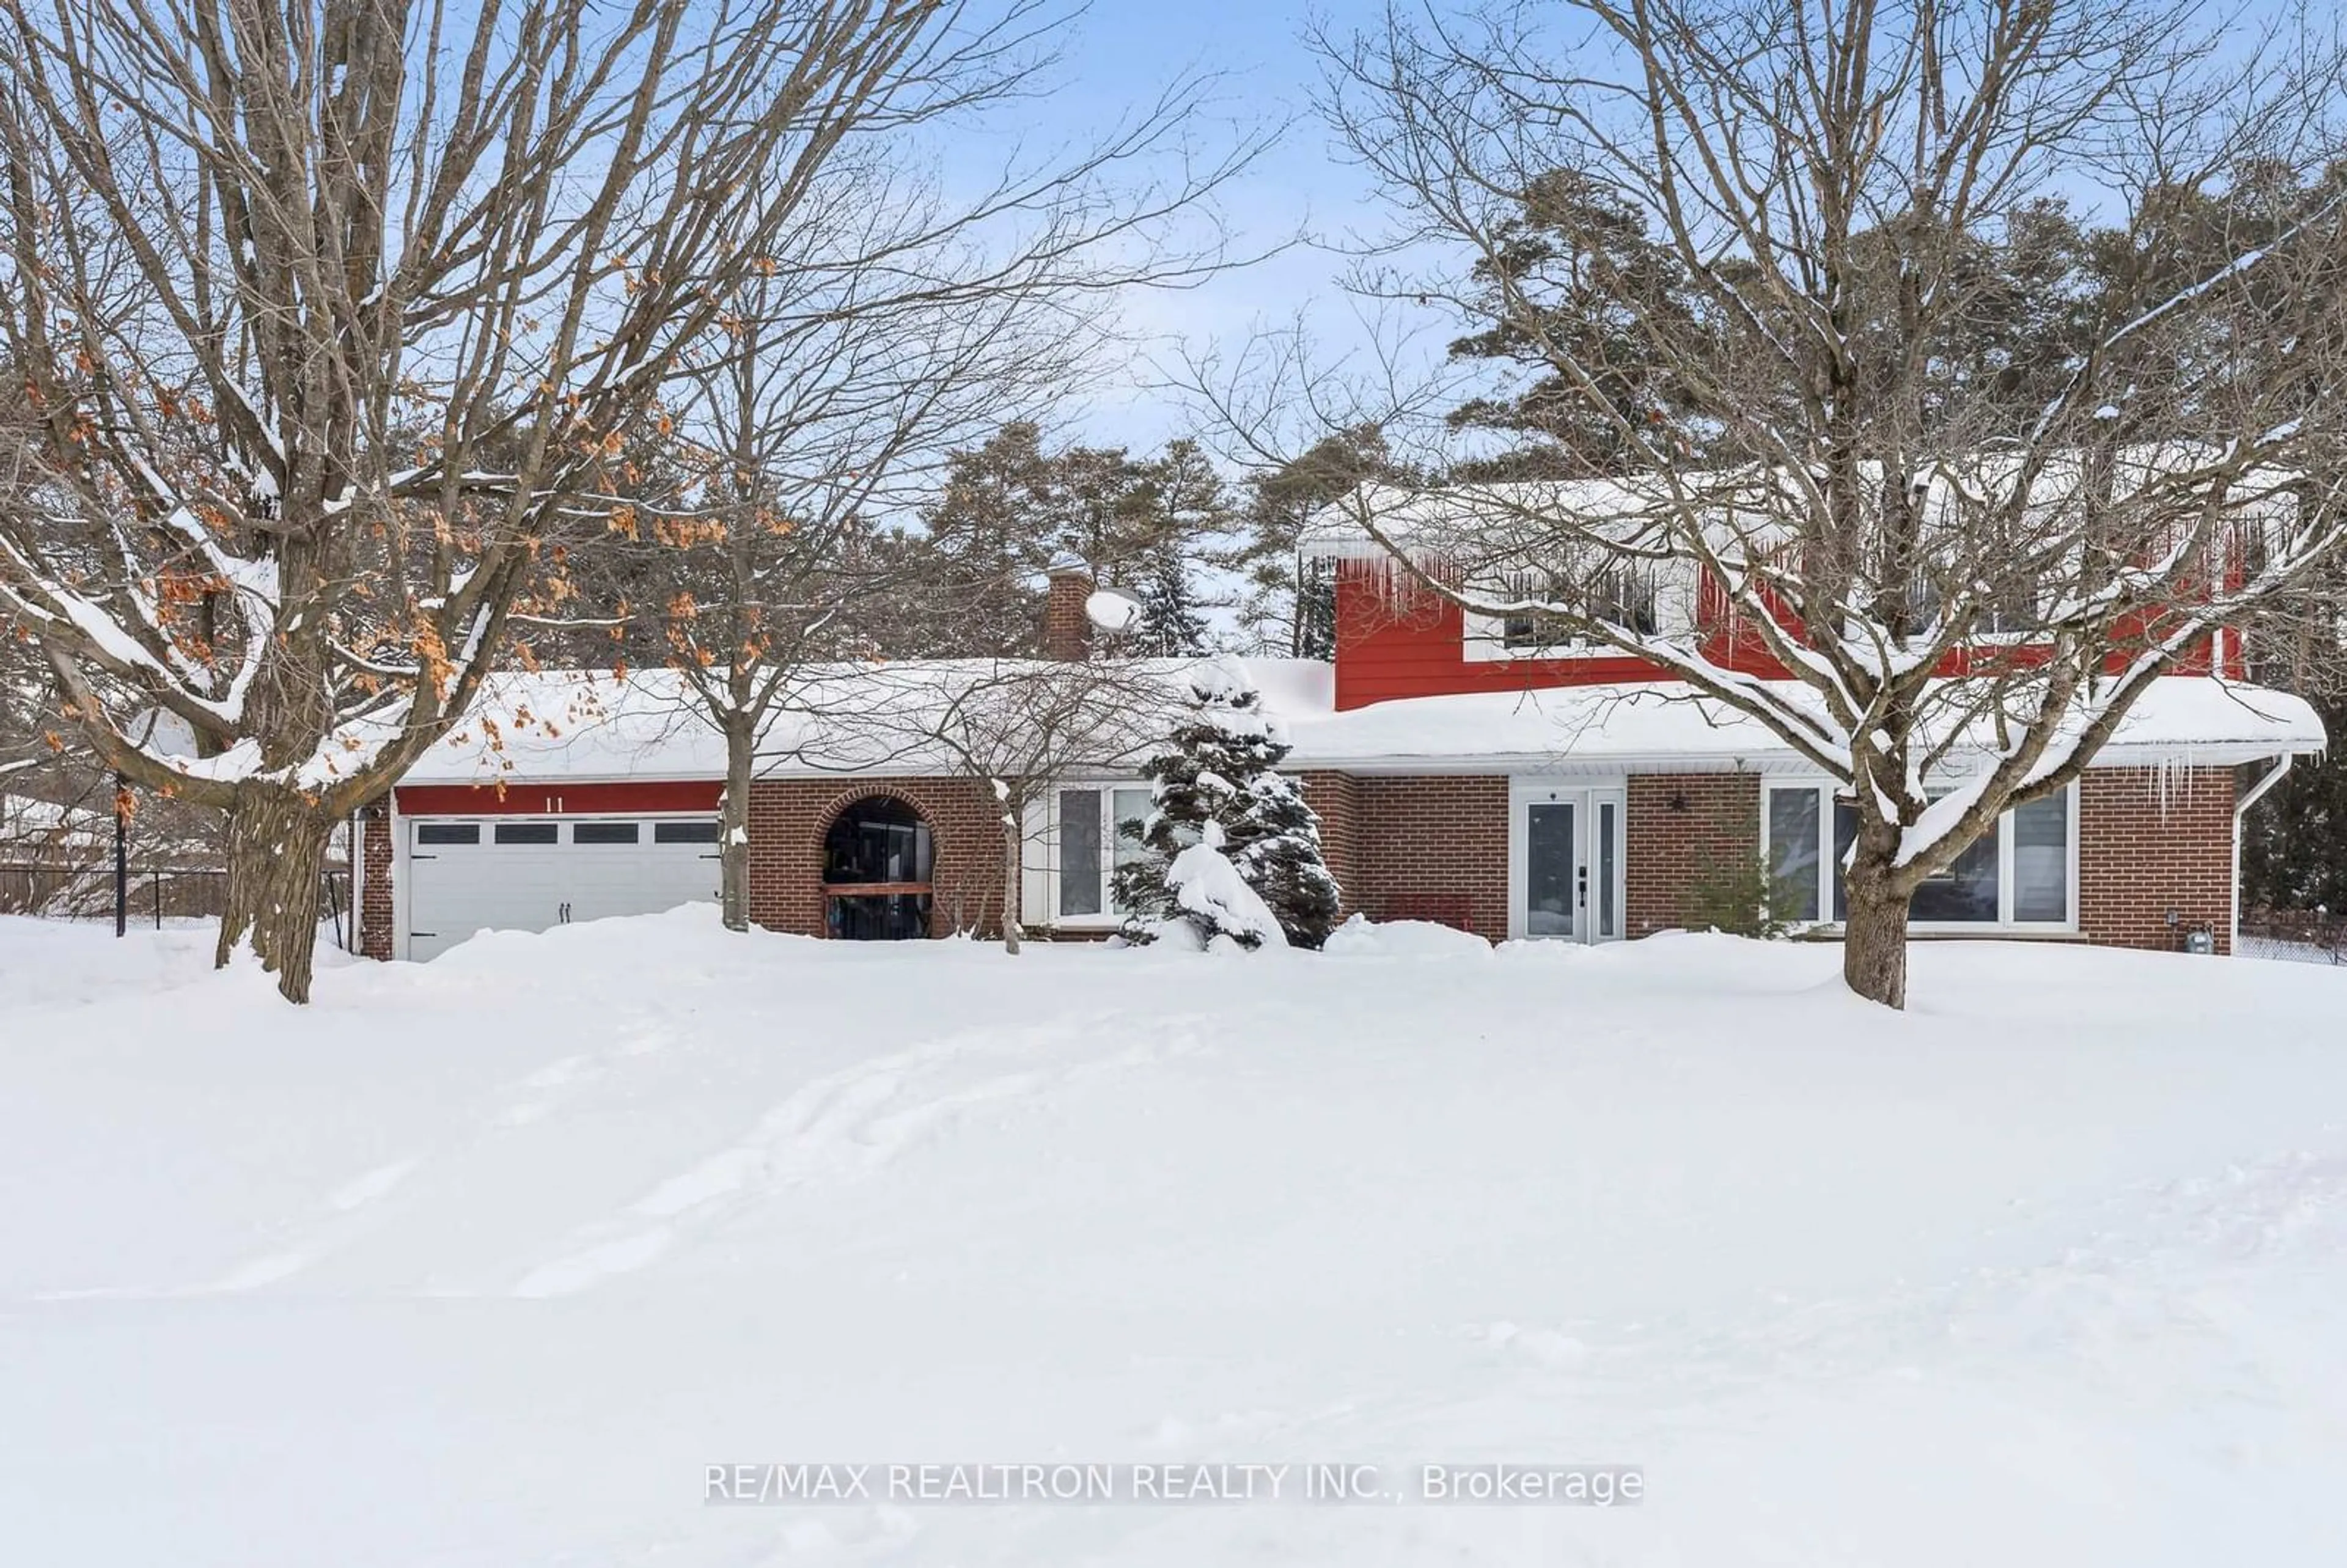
x=1185 y=520
x=2294 y=841
x=1594 y=247
x=1291 y=604
x=970 y=577
x=1169 y=624
x=2294 y=844
x=1217 y=778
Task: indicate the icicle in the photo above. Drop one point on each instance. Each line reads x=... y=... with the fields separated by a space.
x=2173 y=779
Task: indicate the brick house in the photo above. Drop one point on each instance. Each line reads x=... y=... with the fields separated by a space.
x=1462 y=772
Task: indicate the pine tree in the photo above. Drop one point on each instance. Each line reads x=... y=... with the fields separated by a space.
x=2294 y=841
x=968 y=581
x=1290 y=604
x=1218 y=771
x=1169 y=624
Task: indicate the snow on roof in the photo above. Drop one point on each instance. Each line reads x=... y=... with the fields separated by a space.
x=845 y=718
x=1662 y=723
x=1414 y=519
x=580 y=724
x=576 y=724
x=1526 y=515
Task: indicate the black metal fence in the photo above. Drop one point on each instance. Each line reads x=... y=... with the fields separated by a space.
x=84 y=889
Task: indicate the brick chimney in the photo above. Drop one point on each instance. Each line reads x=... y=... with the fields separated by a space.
x=1067 y=629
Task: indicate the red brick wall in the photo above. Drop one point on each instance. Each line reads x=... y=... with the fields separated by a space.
x=1436 y=848
x=1681 y=827
x=378 y=928
x=2148 y=845
x=1336 y=799
x=1432 y=849
x=1067 y=631
x=788 y=818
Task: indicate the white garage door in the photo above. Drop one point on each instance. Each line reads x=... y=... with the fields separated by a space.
x=531 y=873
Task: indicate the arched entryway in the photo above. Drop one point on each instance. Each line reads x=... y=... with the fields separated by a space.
x=877 y=863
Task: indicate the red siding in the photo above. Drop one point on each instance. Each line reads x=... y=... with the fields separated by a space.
x=518 y=799
x=1396 y=638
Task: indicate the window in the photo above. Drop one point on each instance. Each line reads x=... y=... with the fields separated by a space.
x=603 y=833
x=1098 y=829
x=1964 y=890
x=877 y=860
x=2012 y=613
x=2041 y=859
x=1794 y=883
x=1623 y=595
x=878 y=839
x=1609 y=838
x=1128 y=820
x=1080 y=890
x=525 y=833
x=2004 y=608
x=448 y=833
x=2022 y=873
x=686 y=831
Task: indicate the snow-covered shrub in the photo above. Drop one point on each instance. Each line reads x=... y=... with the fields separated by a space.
x=1219 y=770
x=1208 y=893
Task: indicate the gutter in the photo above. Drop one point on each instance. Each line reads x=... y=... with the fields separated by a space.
x=2241 y=810
x=1769 y=759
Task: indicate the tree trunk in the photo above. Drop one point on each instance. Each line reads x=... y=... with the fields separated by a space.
x=1874 y=935
x=734 y=826
x=1013 y=893
x=276 y=853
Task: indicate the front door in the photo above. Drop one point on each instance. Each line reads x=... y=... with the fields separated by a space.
x=1568 y=863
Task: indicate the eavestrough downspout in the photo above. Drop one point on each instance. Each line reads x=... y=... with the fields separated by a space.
x=2240 y=809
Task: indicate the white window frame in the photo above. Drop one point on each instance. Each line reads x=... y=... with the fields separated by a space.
x=2004 y=922
x=1484 y=637
x=1110 y=917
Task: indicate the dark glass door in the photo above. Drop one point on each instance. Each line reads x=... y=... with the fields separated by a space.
x=1551 y=869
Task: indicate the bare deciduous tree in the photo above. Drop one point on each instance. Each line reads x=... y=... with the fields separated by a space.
x=902 y=321
x=329 y=314
x=1016 y=728
x=1941 y=583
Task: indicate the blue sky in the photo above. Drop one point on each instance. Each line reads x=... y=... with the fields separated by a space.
x=1121 y=53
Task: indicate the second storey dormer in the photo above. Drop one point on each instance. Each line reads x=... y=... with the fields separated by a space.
x=1398 y=635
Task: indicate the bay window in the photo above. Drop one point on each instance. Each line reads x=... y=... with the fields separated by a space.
x=2022 y=873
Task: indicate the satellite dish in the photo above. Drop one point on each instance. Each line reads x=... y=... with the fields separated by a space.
x=1110 y=611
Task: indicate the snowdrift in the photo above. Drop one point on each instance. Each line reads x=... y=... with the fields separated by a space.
x=487 y=1261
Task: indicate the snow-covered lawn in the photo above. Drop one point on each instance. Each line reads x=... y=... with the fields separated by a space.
x=485 y=1261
